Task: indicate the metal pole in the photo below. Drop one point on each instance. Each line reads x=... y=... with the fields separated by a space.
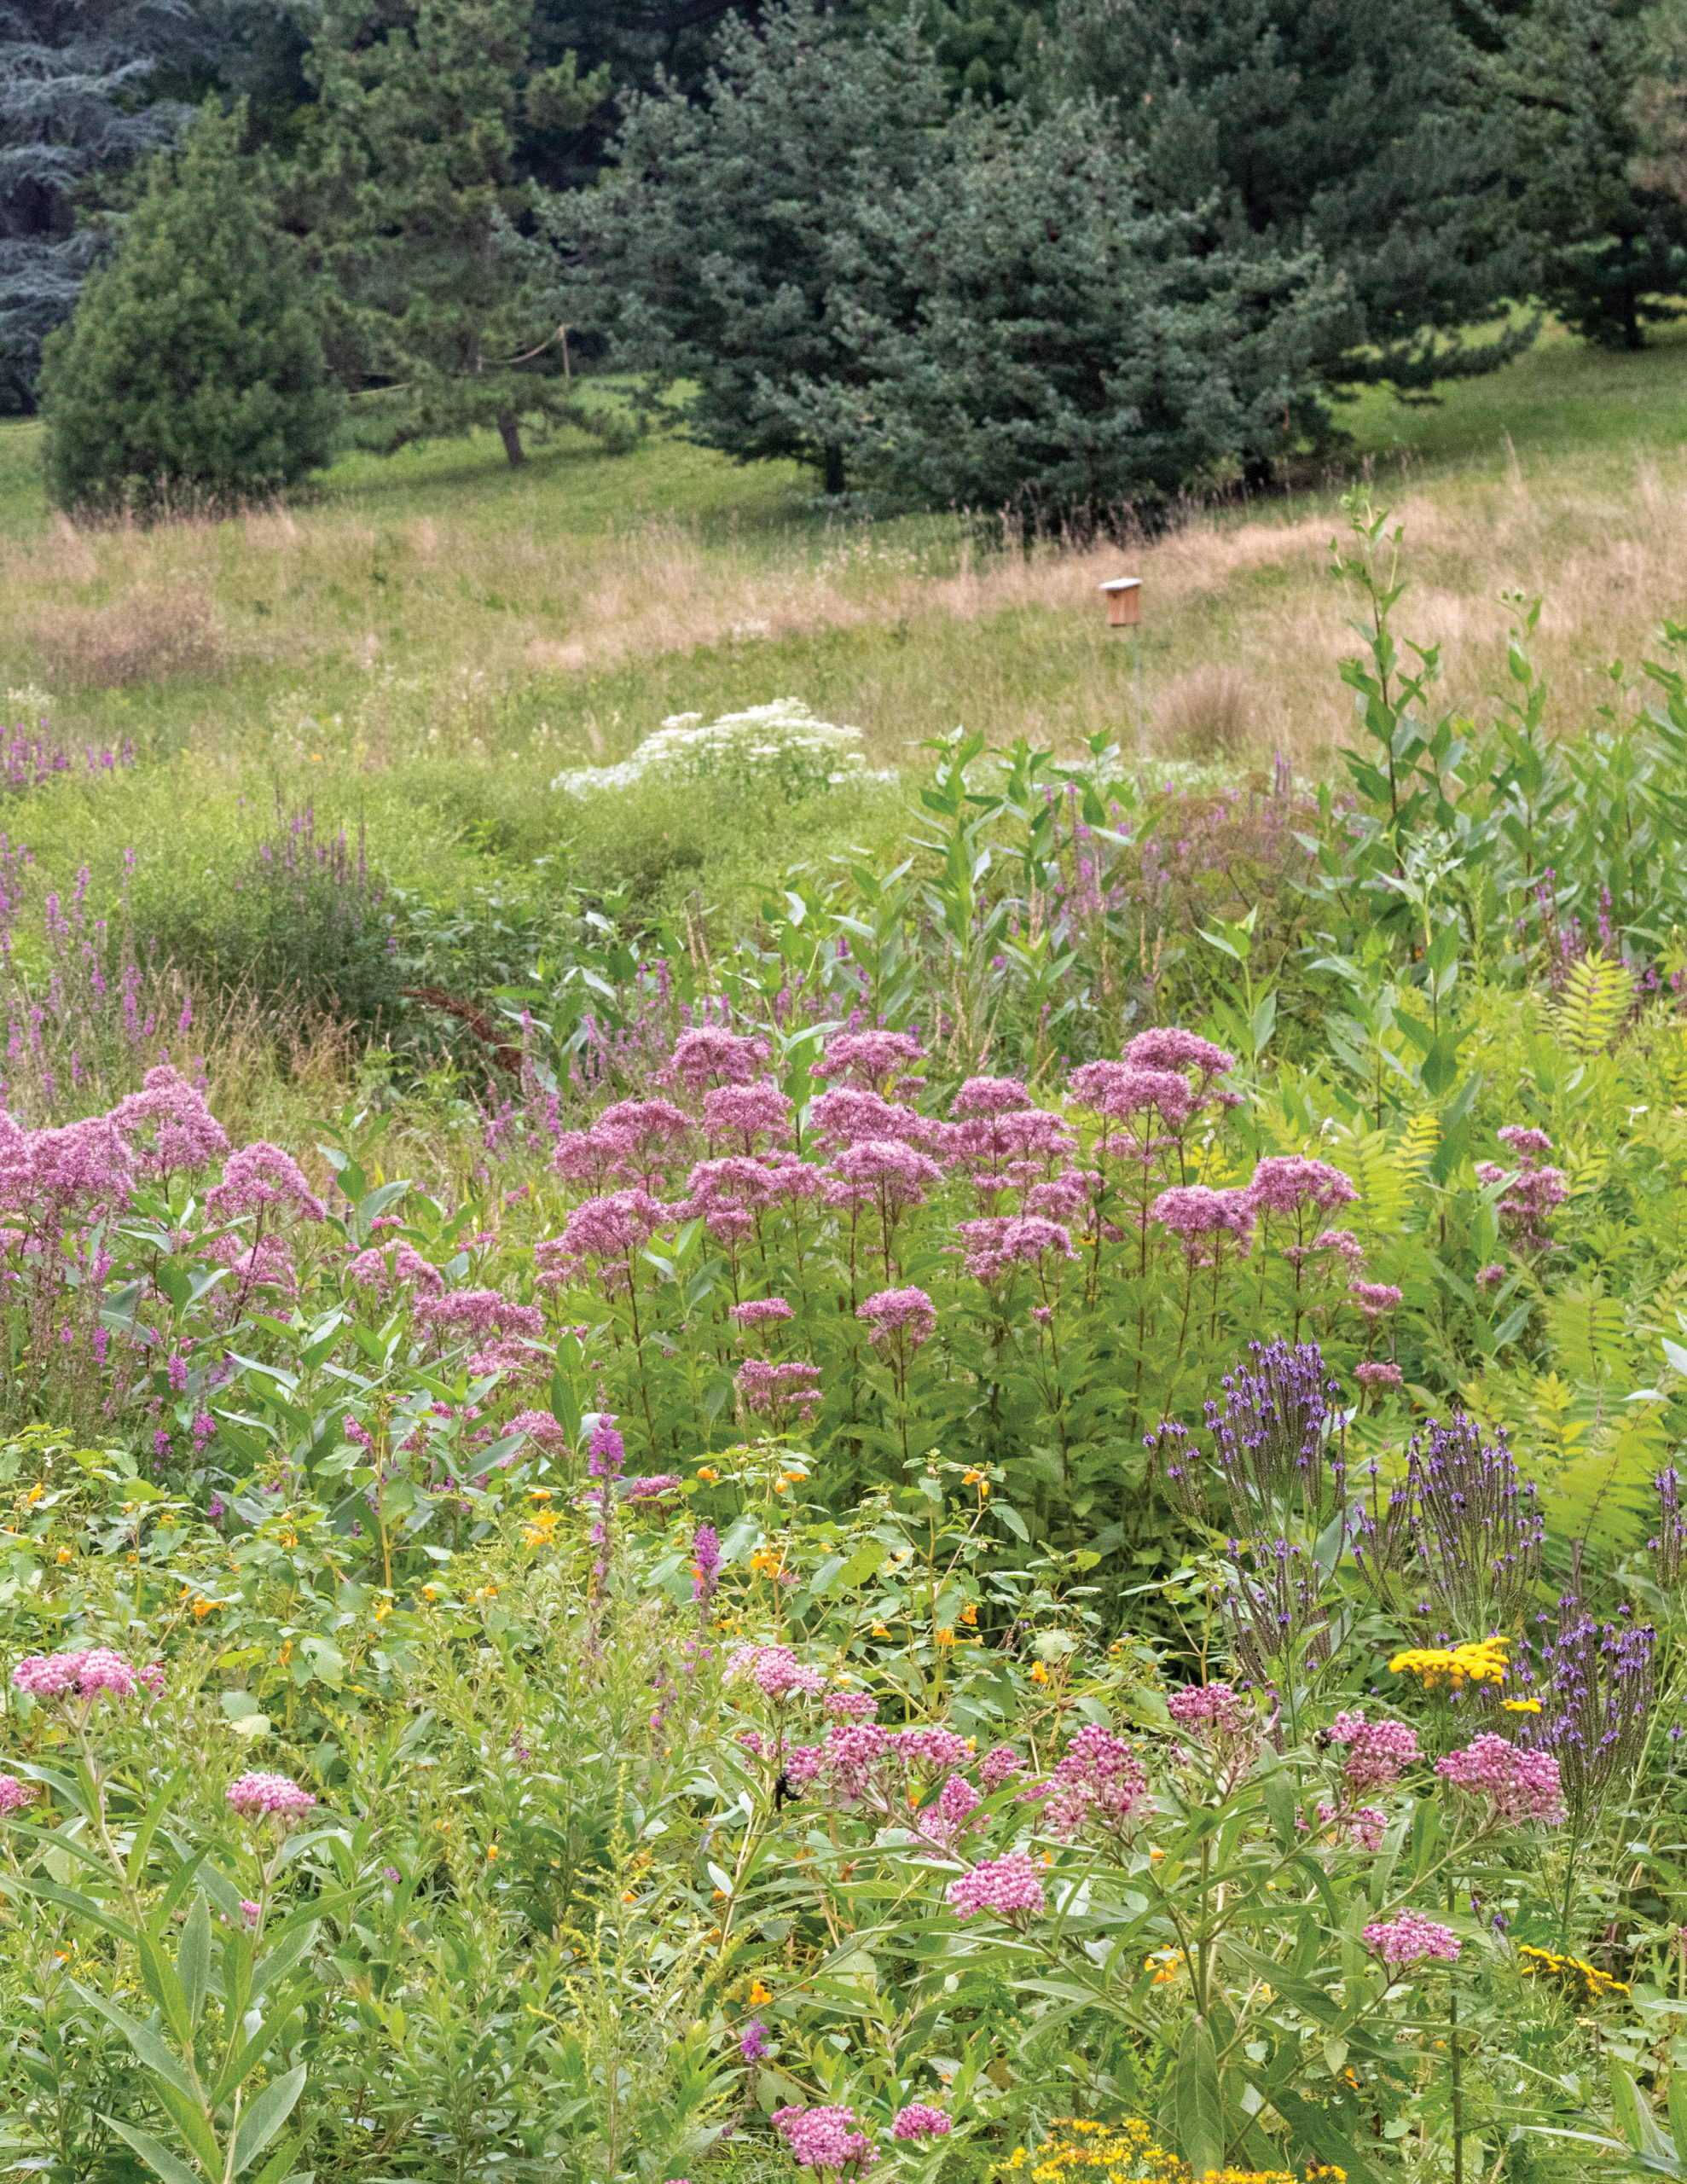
x=1141 y=738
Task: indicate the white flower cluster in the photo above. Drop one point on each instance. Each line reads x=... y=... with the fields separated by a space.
x=780 y=746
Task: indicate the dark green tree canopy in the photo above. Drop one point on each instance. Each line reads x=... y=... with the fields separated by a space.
x=981 y=306
x=1025 y=332
x=446 y=310
x=193 y=366
x=1368 y=130
x=710 y=249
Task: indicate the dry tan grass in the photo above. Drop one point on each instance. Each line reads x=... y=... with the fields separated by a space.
x=1234 y=602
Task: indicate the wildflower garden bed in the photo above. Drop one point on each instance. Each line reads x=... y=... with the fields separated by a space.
x=1018 y=1518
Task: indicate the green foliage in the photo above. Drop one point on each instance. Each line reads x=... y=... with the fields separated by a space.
x=1612 y=246
x=446 y=311
x=192 y=369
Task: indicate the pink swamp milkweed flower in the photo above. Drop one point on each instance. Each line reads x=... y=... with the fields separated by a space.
x=1377 y=1752
x=277 y=1795
x=1517 y=1785
x=14 y=1794
x=917 y=2121
x=1010 y=1887
x=824 y=2139
x=1408 y=1938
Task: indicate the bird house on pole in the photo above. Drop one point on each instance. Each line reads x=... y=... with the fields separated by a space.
x=1124 y=602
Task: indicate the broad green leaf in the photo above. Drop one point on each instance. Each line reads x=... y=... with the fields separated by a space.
x=158 y=2159
x=193 y=1958
x=265 y=2118
x=1200 y=2112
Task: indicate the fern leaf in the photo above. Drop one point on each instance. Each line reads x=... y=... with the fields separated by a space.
x=1589 y=1334
x=1418 y=1141
x=1596 y=997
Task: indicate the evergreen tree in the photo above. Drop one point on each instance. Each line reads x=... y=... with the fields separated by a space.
x=709 y=246
x=974 y=306
x=77 y=78
x=1369 y=129
x=1027 y=335
x=194 y=360
x=447 y=309
x=1611 y=232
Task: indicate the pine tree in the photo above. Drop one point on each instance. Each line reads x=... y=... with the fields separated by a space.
x=1612 y=233
x=1368 y=130
x=193 y=363
x=1028 y=335
x=448 y=314
x=710 y=245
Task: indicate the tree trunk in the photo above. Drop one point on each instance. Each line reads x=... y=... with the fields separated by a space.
x=509 y=431
x=834 y=467
x=1633 y=337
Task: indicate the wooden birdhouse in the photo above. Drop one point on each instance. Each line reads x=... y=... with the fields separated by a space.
x=1124 y=602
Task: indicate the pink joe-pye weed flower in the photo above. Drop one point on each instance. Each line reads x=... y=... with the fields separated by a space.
x=1169 y=1047
x=478 y=1313
x=761 y=1312
x=989 y=1095
x=258 y=1178
x=398 y=1265
x=614 y=1226
x=1289 y=1182
x=1378 y=1372
x=1009 y=1887
x=847 y=1115
x=1409 y=1938
x=1195 y=1212
x=168 y=1125
x=882 y=1170
x=870 y=1057
x=1517 y=1785
x=15 y=1795
x=710 y=1057
x=901 y=1320
x=1122 y=1091
x=750 y=1112
x=1375 y=1297
x=785 y=1395
x=254 y=1795
x=999 y=1244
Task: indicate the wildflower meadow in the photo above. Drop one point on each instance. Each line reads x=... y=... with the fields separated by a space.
x=1013 y=1514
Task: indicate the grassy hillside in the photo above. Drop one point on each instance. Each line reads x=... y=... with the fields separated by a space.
x=424 y=642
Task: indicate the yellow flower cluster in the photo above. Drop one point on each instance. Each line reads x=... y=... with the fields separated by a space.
x=1585 y=1982
x=540 y=1526
x=1079 y=2152
x=1482 y=1662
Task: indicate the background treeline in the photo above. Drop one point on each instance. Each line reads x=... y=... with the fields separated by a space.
x=1065 y=258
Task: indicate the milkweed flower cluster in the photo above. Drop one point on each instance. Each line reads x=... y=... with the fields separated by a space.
x=15 y=1795
x=918 y=2121
x=1363 y=1826
x=1517 y=1785
x=1099 y=1786
x=1410 y=1938
x=1011 y=1887
x=825 y=2138
x=276 y=1795
x=1377 y=1752
x=92 y=1675
x=775 y=1672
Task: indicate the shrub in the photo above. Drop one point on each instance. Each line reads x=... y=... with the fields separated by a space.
x=194 y=359
x=780 y=747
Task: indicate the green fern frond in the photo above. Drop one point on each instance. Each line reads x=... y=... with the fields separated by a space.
x=1589 y=1334
x=1596 y=998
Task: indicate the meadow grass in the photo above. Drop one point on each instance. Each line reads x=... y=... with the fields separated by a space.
x=422 y=642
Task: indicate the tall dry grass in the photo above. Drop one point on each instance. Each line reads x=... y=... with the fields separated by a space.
x=1243 y=626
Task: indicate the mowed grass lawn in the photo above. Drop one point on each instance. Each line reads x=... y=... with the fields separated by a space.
x=424 y=641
